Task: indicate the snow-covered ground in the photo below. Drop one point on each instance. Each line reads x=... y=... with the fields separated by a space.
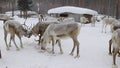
x=93 y=51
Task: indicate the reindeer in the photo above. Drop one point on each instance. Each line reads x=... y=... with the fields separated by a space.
x=59 y=31
x=39 y=29
x=116 y=45
x=83 y=20
x=14 y=28
x=93 y=21
x=4 y=17
x=107 y=21
x=114 y=26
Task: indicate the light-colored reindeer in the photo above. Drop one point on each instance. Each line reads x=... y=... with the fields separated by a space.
x=107 y=21
x=59 y=31
x=93 y=20
x=4 y=17
x=83 y=20
x=116 y=45
x=14 y=28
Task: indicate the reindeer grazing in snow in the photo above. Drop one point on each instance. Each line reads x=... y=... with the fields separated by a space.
x=116 y=45
x=59 y=31
x=14 y=28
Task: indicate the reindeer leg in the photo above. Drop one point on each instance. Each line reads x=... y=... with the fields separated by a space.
x=13 y=38
x=21 y=42
x=114 y=57
x=39 y=40
x=102 y=28
x=110 y=43
x=53 y=42
x=74 y=45
x=10 y=41
x=5 y=38
x=105 y=28
x=21 y=45
x=72 y=50
x=59 y=44
x=77 y=44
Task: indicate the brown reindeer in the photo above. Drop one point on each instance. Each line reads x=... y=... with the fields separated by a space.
x=14 y=28
x=39 y=29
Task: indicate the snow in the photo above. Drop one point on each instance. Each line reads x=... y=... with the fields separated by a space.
x=72 y=9
x=93 y=50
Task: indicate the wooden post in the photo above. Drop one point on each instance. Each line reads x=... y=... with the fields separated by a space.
x=0 y=54
x=117 y=9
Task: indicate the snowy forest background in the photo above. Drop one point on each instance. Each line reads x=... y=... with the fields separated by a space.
x=108 y=7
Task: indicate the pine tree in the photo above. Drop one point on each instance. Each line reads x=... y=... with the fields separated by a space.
x=24 y=5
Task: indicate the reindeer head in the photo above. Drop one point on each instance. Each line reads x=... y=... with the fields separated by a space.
x=24 y=30
x=33 y=31
x=43 y=44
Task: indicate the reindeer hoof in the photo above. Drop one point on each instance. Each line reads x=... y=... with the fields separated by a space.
x=22 y=47
x=17 y=49
x=10 y=46
x=77 y=56
x=61 y=52
x=43 y=48
x=71 y=54
x=110 y=53
x=114 y=66
x=53 y=52
x=7 y=49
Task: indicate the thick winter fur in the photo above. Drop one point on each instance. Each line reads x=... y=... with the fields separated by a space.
x=13 y=28
x=59 y=31
x=116 y=45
